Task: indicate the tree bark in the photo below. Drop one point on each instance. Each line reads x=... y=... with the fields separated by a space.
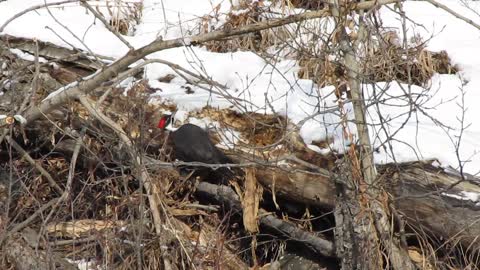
x=369 y=232
x=419 y=193
x=226 y=196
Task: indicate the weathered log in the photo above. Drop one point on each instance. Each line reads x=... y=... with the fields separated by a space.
x=351 y=244
x=228 y=197
x=419 y=189
x=50 y=51
x=429 y=197
x=315 y=242
x=299 y=186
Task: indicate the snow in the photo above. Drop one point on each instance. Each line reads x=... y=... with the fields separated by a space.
x=461 y=41
x=85 y=264
x=20 y=119
x=464 y=195
x=27 y=56
x=264 y=88
x=78 y=28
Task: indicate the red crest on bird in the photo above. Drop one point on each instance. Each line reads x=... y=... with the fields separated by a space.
x=162 y=123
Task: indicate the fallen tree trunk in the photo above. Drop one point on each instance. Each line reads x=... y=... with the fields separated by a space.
x=50 y=51
x=427 y=196
x=228 y=197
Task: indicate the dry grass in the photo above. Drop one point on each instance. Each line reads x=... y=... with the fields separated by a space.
x=304 y=4
x=245 y=14
x=124 y=15
x=415 y=66
x=383 y=61
x=256 y=129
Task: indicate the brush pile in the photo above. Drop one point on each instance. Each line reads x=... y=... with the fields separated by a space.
x=71 y=195
x=91 y=184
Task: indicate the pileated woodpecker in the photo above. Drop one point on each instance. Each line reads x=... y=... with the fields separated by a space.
x=192 y=144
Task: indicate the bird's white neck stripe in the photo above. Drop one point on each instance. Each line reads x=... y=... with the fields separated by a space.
x=170 y=127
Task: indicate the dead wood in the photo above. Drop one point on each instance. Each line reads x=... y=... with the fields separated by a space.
x=372 y=230
x=350 y=245
x=414 y=185
x=304 y=187
x=418 y=191
x=24 y=257
x=421 y=195
x=228 y=197
x=250 y=201
x=314 y=241
x=50 y=51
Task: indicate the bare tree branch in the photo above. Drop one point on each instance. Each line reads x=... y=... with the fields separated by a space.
x=37 y=166
x=454 y=13
x=25 y=11
x=84 y=87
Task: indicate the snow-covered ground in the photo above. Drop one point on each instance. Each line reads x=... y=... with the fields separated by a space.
x=250 y=77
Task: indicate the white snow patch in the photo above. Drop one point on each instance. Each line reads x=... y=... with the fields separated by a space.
x=181 y=115
x=187 y=41
x=26 y=56
x=322 y=151
x=229 y=138
x=464 y=195
x=22 y=120
x=205 y=123
x=472 y=196
x=86 y=264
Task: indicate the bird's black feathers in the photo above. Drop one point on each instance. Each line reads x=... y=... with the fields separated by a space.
x=192 y=144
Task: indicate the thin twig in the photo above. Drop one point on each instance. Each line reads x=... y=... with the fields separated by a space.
x=454 y=13
x=27 y=221
x=256 y=163
x=72 y=241
x=73 y=162
x=25 y=11
x=37 y=166
x=34 y=86
x=142 y=174
x=106 y=24
x=71 y=174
